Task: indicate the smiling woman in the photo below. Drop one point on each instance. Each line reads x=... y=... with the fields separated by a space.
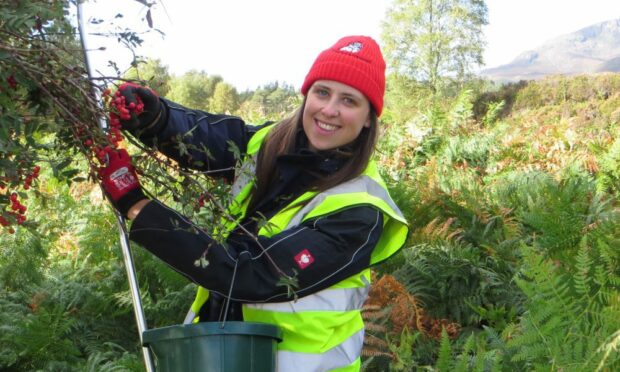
x=310 y=209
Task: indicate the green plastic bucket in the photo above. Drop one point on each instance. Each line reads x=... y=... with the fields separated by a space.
x=209 y=347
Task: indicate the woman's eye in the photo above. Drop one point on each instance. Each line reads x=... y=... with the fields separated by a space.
x=322 y=92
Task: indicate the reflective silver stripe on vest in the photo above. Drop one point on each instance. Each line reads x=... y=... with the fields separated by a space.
x=340 y=356
x=330 y=299
x=189 y=318
x=362 y=183
x=244 y=175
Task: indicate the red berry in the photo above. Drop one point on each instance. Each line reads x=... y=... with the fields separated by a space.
x=114 y=120
x=201 y=200
x=12 y=82
x=11 y=230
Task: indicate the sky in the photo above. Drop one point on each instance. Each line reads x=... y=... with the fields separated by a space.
x=254 y=42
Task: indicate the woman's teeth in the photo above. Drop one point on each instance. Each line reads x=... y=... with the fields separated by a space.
x=326 y=126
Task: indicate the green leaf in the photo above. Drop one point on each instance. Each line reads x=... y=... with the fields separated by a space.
x=70 y=173
x=63 y=164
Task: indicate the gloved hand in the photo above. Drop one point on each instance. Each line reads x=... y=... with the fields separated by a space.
x=151 y=112
x=120 y=181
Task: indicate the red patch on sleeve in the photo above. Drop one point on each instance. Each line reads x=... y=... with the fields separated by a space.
x=304 y=259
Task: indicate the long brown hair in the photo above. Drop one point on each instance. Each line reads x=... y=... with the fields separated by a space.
x=281 y=140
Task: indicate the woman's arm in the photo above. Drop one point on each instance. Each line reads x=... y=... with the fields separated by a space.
x=318 y=253
x=197 y=139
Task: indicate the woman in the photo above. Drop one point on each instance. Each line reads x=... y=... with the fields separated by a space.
x=330 y=215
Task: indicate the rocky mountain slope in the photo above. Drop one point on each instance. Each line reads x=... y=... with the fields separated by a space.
x=590 y=50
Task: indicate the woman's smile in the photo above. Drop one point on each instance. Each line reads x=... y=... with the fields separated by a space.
x=328 y=128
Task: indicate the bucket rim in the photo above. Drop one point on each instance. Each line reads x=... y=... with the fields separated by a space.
x=238 y=328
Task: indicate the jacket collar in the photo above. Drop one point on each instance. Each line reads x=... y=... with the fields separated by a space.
x=323 y=162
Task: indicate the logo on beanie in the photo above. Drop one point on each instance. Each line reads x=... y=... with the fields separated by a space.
x=352 y=48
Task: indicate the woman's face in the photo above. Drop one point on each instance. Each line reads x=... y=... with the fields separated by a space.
x=334 y=114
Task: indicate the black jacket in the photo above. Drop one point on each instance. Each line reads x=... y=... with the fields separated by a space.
x=340 y=244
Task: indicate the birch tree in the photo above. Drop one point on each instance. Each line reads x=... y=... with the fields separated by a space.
x=433 y=40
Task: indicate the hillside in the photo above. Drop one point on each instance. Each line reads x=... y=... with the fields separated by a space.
x=510 y=206
x=592 y=49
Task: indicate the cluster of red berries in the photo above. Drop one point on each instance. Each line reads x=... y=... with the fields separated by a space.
x=32 y=176
x=121 y=110
x=18 y=211
x=16 y=206
x=82 y=133
x=102 y=153
x=4 y=223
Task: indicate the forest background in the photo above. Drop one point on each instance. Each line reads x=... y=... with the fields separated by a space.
x=511 y=192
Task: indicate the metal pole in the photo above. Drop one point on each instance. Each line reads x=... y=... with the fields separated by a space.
x=124 y=237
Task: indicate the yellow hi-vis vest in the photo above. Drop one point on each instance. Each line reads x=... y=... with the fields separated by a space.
x=323 y=331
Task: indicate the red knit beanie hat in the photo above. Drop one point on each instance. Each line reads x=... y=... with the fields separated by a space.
x=355 y=61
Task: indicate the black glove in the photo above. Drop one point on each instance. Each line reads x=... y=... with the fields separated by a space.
x=149 y=115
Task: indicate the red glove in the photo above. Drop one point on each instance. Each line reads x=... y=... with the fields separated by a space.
x=150 y=115
x=120 y=181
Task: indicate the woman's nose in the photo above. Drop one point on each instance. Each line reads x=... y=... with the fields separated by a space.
x=331 y=108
